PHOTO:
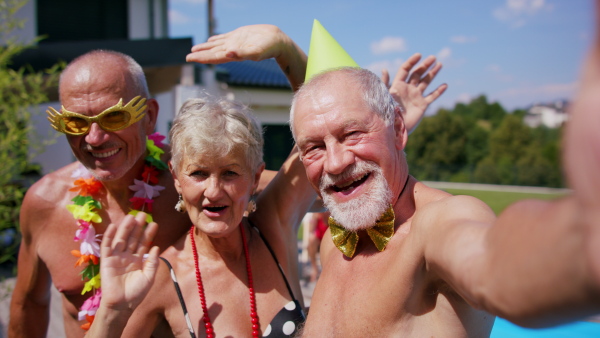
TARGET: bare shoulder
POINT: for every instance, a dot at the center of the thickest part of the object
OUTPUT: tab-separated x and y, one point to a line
45	199
52	187
435	206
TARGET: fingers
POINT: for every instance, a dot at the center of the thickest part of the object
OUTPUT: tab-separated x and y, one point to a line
385	77
436	93
107	239
151	264
426	80
415	77
406	67
147	237
125	236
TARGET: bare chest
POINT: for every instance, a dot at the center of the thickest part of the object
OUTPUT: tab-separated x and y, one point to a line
381	294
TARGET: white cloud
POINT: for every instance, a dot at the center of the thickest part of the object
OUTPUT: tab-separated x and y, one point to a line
515	12
493	68
391	65
388	44
444	54
463	39
178	18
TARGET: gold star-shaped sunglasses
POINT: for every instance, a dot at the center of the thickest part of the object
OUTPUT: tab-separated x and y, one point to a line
114	118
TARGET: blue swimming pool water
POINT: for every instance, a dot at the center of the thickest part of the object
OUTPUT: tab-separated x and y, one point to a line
505	329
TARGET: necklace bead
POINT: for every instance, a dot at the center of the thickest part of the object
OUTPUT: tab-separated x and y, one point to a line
206	318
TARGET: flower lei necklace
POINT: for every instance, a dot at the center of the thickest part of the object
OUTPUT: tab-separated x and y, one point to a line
84	210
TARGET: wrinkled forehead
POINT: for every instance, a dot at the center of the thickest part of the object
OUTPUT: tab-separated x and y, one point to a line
100	87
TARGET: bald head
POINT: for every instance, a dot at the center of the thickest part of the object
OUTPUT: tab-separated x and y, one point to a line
104	72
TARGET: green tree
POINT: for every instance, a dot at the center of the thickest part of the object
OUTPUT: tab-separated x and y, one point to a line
21	90
435	151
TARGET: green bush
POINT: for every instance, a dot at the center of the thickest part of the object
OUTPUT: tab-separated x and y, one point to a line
21	90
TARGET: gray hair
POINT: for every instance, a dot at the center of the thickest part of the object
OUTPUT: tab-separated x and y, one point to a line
215	126
137	76
374	92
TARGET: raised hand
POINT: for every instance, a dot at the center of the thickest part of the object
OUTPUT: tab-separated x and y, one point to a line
256	43
126	276
408	88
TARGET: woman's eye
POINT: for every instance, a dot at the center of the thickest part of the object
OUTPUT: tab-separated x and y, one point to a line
198	173
230	173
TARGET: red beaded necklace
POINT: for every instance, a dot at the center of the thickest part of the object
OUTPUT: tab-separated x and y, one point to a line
253	314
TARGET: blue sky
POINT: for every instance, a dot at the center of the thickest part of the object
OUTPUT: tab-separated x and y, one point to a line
516	52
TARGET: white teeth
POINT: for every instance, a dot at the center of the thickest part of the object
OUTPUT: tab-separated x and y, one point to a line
350	182
103	155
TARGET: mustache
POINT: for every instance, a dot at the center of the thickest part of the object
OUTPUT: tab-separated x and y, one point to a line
88	147
356	169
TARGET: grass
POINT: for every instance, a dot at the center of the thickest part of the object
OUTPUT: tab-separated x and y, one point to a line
499	200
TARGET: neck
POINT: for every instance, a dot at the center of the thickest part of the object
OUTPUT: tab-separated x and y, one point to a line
404	207
228	247
118	189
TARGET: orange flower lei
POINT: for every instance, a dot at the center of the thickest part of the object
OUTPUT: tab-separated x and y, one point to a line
85	210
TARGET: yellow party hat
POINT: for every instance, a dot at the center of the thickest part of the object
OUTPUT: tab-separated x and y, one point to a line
325	53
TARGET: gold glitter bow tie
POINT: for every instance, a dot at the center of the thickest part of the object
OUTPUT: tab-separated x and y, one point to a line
381	233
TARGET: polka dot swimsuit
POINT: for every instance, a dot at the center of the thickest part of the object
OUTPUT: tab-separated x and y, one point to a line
284	324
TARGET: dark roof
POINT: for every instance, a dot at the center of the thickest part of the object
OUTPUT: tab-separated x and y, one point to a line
148	53
263	74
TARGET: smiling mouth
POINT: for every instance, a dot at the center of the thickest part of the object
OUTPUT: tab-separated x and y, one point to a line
349	185
106	154
215	209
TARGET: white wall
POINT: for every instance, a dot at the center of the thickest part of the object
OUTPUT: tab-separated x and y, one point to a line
28	32
139	19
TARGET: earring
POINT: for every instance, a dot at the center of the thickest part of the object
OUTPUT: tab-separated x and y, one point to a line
251	204
180	206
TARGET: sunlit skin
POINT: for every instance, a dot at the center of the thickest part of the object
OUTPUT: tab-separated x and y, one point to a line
332	137
393	290
109	155
216	190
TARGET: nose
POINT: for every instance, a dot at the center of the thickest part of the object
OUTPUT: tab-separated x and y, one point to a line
213	188
96	135
338	158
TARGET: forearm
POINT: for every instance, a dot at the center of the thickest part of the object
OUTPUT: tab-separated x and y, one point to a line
292	61
27	318
539	274
529	267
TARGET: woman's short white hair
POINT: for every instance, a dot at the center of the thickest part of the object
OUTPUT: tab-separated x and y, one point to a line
215	127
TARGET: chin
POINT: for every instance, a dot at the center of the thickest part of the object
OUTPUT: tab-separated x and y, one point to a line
362	211
216	229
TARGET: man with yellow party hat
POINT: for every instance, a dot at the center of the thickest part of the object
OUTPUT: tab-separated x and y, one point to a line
402	259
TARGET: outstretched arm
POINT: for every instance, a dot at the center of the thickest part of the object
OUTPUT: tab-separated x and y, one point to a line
126	276
255	42
409	86
538	264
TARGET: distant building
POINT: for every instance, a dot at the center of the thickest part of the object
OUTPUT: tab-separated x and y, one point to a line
550	115
139	28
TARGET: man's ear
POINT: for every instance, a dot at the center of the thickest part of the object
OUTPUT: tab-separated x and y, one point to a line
400	129
152	114
177	184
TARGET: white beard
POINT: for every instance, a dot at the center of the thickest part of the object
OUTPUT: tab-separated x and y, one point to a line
361	212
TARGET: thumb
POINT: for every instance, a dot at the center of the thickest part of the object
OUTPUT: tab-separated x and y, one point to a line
151	264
